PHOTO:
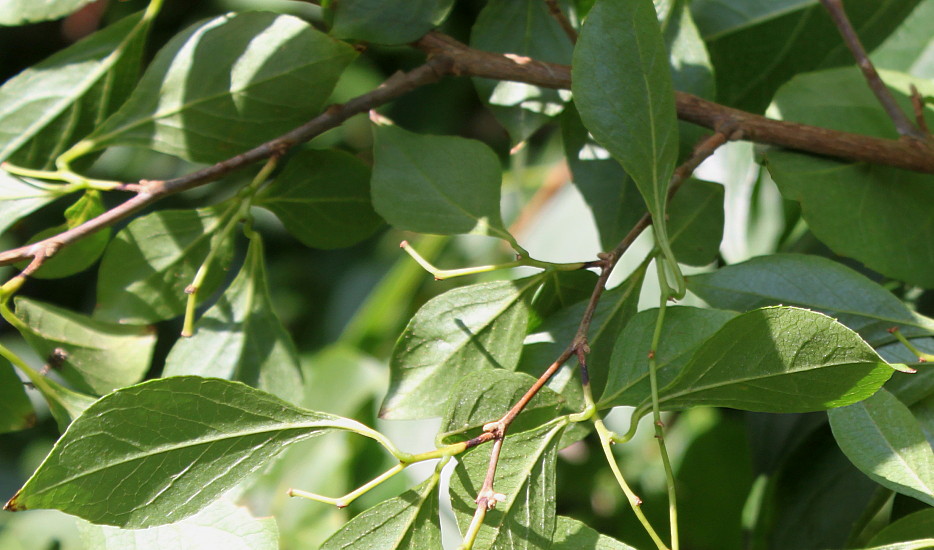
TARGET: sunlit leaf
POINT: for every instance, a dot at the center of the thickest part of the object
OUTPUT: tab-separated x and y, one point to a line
19	198
17	12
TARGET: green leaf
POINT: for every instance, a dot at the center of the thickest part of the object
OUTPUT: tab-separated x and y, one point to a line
161	451
406	522
571	534
47	108
386	21
815	283
524	28
695	222
918	525
149	264
64	404
691	70
226	85
461	332
436	184
908	48
795	36
561	289
82	254
920	544
95	356
323	199
525	475
241	337
622	88
486	396
18	12
220	525
778	359
685	330
881	437
16	412
19	198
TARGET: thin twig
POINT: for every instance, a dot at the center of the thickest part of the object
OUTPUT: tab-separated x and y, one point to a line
917	102
840	19
555	10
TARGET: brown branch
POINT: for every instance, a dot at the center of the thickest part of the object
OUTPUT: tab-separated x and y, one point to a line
913	155
852	41
555	10
151	191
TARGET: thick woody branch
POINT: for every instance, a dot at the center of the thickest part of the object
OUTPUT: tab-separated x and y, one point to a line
916	155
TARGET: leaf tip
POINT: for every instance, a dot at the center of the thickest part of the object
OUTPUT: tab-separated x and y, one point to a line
13	504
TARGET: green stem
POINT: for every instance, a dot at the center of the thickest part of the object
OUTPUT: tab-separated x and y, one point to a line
911	347
522	261
344	501
470	536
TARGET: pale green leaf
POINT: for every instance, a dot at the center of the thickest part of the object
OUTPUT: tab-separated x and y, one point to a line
323	199
18	12
406	522
386	21
910	48
241	338
881	437
461	332
525	476
149	264
571	534
161	451
920	544
19	198
436	184
226	85
95	356
16	412
778	359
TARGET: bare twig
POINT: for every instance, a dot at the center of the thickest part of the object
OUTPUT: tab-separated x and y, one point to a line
555	10
840	19
917	102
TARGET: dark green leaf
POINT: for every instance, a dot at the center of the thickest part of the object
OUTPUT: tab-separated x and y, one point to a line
323	199
95	356
795	36
226	85
695	222
16	412
18	198
149	263
17	12
525	28
436	184
571	534
163	450
561	289
525	476
241	337
691	70
461	332
386	21
918	525
406	522
815	283
685	329
486	396
779	359
881	437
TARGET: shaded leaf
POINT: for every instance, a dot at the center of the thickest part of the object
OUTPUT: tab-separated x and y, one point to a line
19	198
150	262
778	359
16	412
561	289
323	199
695	222
386	21
137	459
909	48
18	12
913	526
241	337
95	356
571	534
436	184
461	332
64	404
881	437
226	85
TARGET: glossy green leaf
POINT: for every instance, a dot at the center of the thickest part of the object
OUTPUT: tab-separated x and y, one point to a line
226	85
165	449
95	356
778	359
48	107
19	198
18	12
323	199
695	222
461	332
149	263
406	522
486	396
622	88
241	337
881	437
525	476
82	254
16	412
220	525
815	283
685	330
795	36
386	21
523	28
436	184
571	534
918	525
